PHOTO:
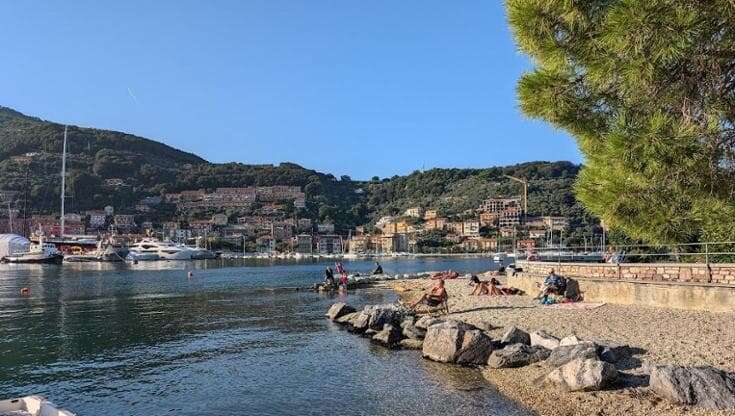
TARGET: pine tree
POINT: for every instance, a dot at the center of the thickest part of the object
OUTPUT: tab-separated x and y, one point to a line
647	88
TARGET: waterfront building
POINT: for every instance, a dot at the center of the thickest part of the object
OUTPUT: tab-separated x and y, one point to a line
359	244
304	244
480	244
97	219
329	244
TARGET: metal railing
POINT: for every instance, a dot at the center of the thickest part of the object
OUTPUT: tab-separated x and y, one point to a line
705	252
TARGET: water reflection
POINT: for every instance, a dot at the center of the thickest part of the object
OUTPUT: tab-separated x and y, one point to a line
117	341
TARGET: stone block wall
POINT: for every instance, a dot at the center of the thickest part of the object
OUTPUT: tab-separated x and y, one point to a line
719	274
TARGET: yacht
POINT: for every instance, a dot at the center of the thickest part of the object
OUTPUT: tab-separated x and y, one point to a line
201	253
105	252
40	252
32	406
153	249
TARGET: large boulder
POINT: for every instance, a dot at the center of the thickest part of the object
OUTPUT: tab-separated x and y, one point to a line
426	321
346	319
517	355
544	339
339	309
390	336
583	375
515	335
570	340
443	341
476	348
704	387
361	322
410	331
380	315
566	353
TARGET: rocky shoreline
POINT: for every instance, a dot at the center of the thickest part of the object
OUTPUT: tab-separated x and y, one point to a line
550	375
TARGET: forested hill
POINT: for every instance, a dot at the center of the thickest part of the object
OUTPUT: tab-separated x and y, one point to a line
30	162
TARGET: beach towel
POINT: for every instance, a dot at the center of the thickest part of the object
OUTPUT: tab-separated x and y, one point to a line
576	305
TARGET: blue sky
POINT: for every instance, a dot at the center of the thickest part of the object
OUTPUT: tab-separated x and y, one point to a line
343	86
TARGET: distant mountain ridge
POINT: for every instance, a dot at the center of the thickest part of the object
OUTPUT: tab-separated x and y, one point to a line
20	134
99	160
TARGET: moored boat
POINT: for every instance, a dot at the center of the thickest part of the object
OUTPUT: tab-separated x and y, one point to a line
41	252
31	406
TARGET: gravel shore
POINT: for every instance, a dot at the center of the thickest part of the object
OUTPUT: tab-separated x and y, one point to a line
659	335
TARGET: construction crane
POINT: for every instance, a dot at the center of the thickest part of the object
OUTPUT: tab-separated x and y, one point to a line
524	182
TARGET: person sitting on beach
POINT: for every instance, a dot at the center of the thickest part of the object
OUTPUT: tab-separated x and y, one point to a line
329	277
378	268
553	284
434	297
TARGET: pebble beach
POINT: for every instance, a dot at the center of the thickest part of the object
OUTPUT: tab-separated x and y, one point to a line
659	336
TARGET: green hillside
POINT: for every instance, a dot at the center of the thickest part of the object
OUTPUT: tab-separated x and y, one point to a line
150	168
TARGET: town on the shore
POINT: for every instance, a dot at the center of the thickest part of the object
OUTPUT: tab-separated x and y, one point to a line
272	219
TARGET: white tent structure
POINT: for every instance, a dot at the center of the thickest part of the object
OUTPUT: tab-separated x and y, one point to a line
12	244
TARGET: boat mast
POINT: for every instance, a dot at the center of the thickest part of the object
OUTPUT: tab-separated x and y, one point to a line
63	181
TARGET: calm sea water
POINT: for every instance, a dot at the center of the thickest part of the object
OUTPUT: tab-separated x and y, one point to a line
146	340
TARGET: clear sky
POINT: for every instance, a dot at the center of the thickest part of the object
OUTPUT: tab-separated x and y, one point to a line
352	87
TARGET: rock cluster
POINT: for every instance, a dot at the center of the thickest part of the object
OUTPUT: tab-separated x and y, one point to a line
574	364
387	325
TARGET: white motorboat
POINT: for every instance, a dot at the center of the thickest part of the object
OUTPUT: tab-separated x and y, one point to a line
500	257
40	252
31	406
153	249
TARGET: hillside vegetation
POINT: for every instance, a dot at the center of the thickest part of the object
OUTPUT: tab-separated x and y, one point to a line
151	168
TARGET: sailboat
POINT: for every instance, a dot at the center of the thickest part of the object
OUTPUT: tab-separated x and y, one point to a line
41	251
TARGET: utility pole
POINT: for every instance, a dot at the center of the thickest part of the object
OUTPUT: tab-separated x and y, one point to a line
524	182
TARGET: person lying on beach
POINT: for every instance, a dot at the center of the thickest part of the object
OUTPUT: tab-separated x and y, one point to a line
449	274
434	297
481	288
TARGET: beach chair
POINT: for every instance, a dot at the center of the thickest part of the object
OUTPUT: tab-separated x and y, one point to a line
440	309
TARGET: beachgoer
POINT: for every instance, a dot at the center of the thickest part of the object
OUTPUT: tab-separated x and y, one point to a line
480	286
340	268
434	297
449	274
343	281
329	277
378	268
552	284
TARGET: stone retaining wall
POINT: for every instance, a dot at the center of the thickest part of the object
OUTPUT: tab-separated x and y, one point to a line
722	274
675	285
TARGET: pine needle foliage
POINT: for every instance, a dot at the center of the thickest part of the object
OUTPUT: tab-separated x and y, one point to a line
647	88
